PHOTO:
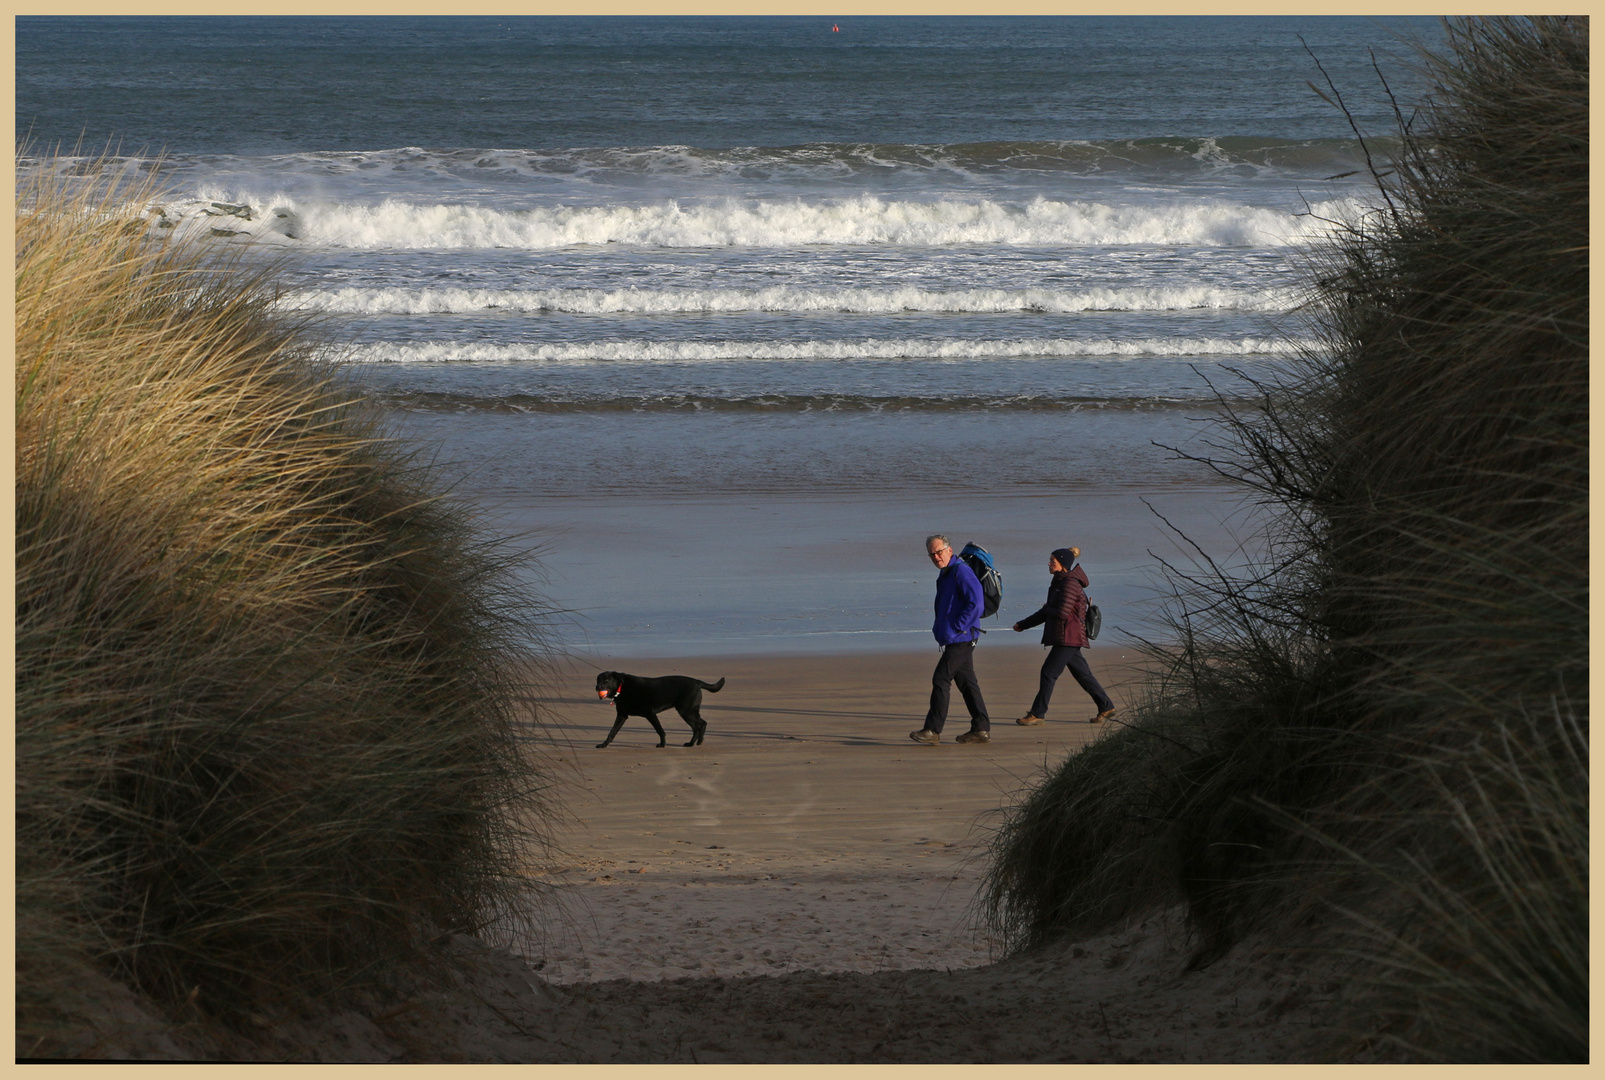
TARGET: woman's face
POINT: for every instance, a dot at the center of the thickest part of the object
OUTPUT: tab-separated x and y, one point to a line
1053	565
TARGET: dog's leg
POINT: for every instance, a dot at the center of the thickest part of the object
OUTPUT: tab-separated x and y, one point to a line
693	717
616	725
663	738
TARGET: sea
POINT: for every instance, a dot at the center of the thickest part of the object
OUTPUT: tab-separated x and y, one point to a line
721	317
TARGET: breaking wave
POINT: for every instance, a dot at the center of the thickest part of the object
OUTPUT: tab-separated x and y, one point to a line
869	349
753	223
632	301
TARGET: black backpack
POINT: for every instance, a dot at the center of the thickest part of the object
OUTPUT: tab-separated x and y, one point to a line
1092	618
978	559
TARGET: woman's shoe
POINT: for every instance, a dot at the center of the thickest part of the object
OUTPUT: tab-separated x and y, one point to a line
1101	717
1029	721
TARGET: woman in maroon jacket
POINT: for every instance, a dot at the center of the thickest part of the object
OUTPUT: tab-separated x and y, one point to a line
1065	636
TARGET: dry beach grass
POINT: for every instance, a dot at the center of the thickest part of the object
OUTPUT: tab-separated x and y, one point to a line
1381	729
264	698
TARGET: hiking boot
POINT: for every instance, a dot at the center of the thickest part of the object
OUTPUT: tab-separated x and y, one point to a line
1029	721
974	737
1101	717
925	735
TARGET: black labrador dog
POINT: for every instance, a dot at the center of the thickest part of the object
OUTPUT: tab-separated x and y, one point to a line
633	695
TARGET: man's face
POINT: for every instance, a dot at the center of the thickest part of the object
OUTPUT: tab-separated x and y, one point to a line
940	553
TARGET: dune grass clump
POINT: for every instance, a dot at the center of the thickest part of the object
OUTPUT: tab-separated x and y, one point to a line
1385	721
267	710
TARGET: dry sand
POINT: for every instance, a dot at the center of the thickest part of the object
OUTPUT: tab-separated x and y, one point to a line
807	832
802	888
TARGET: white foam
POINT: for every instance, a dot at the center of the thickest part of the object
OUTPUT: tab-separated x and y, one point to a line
868	349
866	220
392	301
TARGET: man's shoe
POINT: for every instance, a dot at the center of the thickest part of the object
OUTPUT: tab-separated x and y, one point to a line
974	737
1101	717
925	735
1029	721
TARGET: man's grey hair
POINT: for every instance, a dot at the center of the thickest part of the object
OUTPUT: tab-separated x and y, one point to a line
937	536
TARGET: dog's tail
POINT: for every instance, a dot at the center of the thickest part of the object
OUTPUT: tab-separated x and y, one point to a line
711	687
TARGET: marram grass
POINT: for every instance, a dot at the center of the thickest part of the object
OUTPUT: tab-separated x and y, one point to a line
1374	742
267	710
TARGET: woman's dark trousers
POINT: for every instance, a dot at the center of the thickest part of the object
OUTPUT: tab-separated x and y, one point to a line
956	666
1059	658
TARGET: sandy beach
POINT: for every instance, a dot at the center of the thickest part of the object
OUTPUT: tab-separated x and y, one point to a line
807	832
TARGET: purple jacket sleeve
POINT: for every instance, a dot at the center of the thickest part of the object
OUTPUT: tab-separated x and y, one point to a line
959	602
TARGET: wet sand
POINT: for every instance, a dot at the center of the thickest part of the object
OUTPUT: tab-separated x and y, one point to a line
839	573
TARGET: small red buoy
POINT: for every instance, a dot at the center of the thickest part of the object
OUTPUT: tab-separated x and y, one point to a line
834	29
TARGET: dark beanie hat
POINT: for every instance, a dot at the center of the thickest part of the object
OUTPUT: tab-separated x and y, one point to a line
1066	559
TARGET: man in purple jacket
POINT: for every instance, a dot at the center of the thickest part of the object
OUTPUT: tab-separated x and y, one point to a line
958	620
